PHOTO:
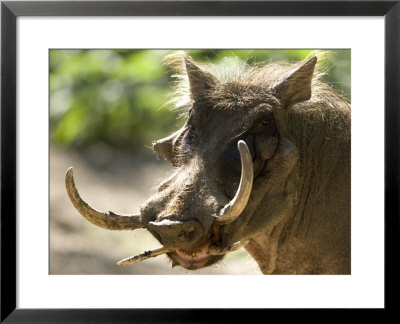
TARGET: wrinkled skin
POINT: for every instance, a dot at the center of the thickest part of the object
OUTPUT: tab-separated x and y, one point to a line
297	219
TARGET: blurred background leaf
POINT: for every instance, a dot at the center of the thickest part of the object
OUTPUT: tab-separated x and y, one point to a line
115	96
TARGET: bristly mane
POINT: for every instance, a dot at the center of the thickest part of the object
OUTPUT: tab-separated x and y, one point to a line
239	84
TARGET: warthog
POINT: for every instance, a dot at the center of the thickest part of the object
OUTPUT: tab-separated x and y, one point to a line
262	162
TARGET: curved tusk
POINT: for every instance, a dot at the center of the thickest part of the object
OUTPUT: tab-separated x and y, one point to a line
235	207
108	220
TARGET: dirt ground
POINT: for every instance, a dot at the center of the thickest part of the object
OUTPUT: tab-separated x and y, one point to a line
117	181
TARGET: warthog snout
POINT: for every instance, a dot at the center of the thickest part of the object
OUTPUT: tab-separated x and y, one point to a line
168	232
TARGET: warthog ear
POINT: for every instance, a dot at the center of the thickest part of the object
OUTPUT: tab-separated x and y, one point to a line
200	80
165	145
295	85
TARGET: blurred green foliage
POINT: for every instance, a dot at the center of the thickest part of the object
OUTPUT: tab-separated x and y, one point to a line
117	96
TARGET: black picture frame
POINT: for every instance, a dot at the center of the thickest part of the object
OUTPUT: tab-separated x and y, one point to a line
11	10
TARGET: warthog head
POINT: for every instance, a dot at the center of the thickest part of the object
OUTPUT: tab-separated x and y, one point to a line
232	162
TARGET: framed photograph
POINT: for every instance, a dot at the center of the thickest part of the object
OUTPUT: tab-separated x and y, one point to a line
219	131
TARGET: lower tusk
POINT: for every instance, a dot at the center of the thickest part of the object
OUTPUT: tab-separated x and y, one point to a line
216	250
145	255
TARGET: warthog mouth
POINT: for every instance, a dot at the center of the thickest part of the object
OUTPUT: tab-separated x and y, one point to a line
202	255
194	258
